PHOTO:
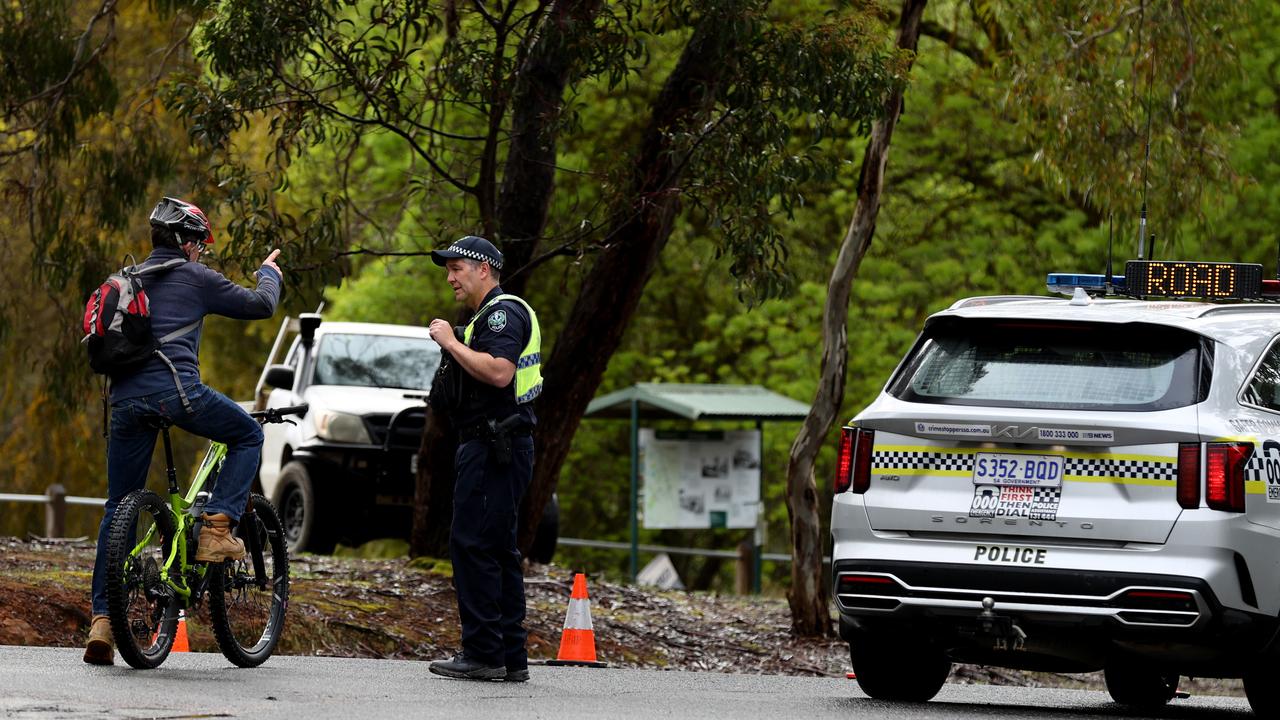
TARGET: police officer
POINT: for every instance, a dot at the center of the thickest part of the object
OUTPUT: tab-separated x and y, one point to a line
498	364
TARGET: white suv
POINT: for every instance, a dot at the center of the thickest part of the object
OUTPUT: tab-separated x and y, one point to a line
1072	485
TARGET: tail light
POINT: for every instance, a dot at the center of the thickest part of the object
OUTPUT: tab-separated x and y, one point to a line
853	463
868	584
1189	475
1224	474
1154	599
844	461
862	460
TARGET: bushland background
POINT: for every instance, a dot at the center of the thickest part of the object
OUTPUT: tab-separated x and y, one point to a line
722	141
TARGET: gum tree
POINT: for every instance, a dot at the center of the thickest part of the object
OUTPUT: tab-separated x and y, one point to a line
475	94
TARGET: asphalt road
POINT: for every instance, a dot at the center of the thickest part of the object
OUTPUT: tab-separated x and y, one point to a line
44	683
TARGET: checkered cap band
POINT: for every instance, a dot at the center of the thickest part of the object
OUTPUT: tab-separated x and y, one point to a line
495	263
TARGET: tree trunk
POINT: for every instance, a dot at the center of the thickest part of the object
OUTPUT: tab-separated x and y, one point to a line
611	291
809	603
433	489
528	180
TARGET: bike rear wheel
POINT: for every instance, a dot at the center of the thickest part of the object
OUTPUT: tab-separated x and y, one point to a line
248	615
141	606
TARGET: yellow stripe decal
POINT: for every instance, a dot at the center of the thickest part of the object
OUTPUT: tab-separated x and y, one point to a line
927	472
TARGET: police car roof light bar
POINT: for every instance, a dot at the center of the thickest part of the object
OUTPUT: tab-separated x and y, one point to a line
1178	279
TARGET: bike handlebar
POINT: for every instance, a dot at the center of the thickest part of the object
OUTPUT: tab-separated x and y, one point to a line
276	415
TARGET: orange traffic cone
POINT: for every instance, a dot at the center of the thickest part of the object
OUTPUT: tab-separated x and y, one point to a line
180	643
578	640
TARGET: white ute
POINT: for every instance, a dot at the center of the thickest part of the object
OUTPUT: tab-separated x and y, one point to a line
346	471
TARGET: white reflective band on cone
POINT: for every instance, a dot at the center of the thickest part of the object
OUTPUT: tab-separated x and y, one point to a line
579	615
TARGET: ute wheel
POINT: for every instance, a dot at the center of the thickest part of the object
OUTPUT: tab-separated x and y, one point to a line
301	513
1263	692
1139	687
897	668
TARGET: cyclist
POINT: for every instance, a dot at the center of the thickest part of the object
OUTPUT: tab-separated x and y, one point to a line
169	387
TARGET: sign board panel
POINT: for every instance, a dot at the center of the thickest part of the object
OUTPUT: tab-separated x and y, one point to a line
695	480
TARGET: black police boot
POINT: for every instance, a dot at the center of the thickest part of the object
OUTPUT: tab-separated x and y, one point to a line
464	668
520	675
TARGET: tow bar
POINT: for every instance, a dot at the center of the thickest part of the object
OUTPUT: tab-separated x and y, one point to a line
1005	633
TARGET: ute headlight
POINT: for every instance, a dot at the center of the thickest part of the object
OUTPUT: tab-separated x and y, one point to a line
341	427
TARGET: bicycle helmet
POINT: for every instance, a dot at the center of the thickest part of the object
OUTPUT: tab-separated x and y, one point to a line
186	221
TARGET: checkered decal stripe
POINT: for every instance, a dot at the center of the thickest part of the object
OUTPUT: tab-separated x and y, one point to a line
1046	495
1140	469
1074	467
901	460
1255	469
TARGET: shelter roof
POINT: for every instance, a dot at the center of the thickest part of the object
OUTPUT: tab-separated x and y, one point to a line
698	401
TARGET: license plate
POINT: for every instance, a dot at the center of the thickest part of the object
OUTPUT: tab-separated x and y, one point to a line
1017	470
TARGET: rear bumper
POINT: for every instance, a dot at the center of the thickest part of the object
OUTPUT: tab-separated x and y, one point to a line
1072	621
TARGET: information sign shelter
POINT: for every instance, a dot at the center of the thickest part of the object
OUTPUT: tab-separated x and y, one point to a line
697	402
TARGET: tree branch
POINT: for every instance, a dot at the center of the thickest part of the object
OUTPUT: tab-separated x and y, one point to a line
394	129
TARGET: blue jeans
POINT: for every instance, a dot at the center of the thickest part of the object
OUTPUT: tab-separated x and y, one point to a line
133	440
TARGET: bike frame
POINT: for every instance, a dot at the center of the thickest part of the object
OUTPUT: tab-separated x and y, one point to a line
180	506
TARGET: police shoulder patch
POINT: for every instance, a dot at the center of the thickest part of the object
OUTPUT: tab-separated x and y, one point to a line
497	320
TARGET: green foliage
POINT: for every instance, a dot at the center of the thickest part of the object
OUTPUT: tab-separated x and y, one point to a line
1092	85
796	86
358	135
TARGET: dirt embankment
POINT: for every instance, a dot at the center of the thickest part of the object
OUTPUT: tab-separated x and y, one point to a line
406	609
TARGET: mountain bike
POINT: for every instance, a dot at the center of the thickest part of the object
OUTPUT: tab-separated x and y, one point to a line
152	574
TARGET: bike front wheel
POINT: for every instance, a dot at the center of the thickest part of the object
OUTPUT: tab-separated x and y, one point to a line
248	598
141	606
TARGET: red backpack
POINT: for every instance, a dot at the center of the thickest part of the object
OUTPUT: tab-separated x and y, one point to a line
117	322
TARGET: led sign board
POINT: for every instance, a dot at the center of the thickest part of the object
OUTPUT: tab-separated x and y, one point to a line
1191	279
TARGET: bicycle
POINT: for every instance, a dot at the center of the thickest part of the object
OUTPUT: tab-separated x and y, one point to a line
152	579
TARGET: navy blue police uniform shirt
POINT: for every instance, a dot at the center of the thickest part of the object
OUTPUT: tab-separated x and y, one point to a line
501	331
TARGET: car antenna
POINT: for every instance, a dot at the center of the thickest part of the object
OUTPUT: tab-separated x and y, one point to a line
1146	159
1111	231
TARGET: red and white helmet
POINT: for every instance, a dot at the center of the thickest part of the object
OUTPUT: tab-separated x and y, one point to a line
184	219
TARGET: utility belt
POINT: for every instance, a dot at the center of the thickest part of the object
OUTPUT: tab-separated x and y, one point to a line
497	434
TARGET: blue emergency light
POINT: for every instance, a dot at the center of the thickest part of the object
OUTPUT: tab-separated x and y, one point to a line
1066	283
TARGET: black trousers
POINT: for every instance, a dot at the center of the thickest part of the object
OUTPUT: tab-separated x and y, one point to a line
487	572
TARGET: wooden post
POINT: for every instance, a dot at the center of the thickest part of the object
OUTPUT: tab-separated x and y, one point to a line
55	511
743	567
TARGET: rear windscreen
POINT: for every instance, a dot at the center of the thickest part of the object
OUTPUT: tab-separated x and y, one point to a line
1131	367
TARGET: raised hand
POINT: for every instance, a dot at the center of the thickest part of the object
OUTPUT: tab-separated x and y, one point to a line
271	262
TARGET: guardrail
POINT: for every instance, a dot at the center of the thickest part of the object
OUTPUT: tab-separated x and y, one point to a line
55	500
704	552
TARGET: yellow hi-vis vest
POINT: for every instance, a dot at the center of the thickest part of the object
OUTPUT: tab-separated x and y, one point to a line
529	367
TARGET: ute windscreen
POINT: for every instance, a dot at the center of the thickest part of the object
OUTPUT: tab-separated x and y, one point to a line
1130	367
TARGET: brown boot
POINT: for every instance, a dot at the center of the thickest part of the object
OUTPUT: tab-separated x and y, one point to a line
101	649
216	541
